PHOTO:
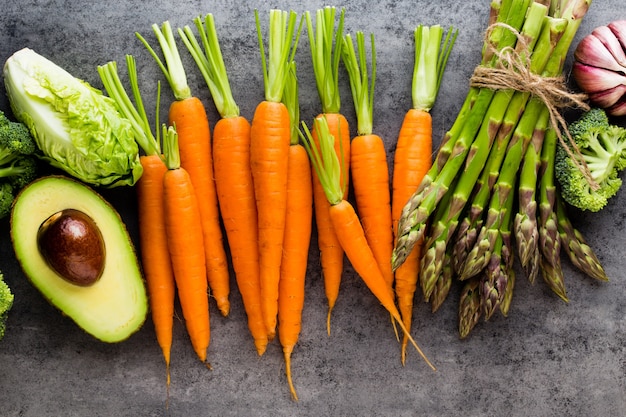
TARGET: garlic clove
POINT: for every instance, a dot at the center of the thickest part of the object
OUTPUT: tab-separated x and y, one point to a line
607	98
593	79
605	35
618	28
592	51
618	109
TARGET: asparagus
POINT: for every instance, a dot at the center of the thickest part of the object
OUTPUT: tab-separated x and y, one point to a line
444	282
525	222
469	307
495	276
526	121
435	184
579	252
479	151
549	238
505	304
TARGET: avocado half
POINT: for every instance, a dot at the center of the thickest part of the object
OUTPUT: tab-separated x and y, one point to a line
116	305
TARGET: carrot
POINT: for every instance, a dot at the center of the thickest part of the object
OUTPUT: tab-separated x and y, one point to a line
233	177
326	69
347	225
297	237
188	114
155	258
185	243
368	159
413	155
269	147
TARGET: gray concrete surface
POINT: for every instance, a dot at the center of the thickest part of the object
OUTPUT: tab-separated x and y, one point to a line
548	358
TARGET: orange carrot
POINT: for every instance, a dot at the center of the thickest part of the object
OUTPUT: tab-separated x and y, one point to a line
269	147
347	225
185	242
155	258
368	159
413	155
188	114
326	68
297	237
233	178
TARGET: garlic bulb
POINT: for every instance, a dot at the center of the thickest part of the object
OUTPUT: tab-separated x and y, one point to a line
600	67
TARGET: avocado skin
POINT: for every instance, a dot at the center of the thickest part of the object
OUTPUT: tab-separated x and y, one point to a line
113	308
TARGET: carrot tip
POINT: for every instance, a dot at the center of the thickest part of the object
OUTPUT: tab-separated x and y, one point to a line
261	346
224	307
292	389
330	309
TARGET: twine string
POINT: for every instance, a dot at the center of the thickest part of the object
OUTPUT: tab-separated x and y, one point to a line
512	71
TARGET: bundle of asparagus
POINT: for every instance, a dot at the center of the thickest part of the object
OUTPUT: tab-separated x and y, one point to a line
494	169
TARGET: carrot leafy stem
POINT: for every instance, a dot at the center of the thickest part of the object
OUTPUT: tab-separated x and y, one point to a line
135	113
362	88
325	57
170	146
172	68
431	57
208	57
291	101
324	160
282	49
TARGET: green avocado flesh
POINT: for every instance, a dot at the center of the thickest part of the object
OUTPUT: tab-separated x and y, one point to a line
116	305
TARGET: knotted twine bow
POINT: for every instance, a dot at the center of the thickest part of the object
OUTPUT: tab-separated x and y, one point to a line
512	71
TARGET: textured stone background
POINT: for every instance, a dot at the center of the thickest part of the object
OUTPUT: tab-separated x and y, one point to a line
548	358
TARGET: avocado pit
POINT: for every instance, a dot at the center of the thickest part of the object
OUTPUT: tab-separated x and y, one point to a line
72	245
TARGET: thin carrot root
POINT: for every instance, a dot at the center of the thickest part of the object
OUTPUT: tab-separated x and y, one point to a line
413	342
330	309
292	389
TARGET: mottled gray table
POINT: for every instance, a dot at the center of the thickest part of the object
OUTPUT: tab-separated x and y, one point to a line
547	358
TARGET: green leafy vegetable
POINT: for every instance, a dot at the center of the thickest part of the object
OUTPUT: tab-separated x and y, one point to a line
78	129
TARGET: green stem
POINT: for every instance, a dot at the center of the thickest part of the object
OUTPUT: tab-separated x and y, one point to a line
282	48
135	113
361	86
325	57
208	57
173	68
431	57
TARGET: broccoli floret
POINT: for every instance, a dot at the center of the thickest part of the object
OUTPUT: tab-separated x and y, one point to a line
6	302
18	165
603	149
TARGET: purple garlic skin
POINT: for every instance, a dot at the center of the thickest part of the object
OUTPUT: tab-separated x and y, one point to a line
600	67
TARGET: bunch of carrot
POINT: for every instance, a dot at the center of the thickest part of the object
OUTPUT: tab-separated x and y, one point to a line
256	179
167	203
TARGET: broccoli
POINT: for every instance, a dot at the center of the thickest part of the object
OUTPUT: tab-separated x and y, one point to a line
6	302
603	149
18	165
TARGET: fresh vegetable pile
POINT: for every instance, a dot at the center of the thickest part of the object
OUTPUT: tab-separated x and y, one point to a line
497	190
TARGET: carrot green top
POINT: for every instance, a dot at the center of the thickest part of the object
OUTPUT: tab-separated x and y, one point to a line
170	147
324	160
430	62
209	59
136	114
326	59
282	49
291	101
362	90
172	68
